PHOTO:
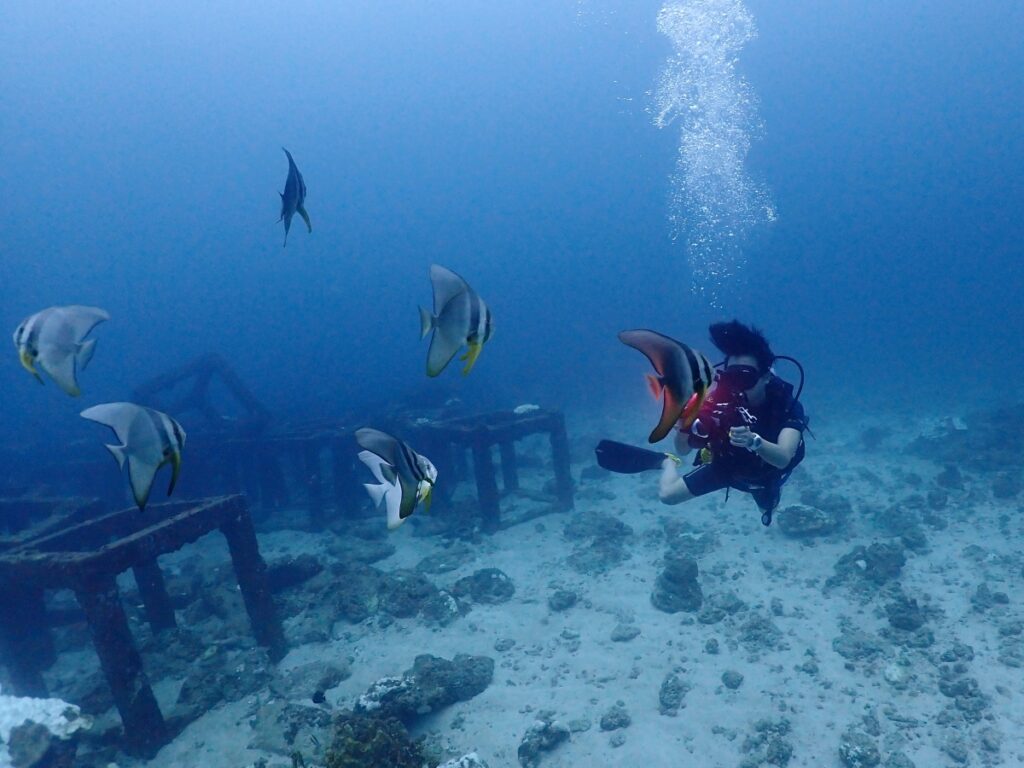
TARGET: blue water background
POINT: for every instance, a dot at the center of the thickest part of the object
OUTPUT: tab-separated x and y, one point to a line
514	143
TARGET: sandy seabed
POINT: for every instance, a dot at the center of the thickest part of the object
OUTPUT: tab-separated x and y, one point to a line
566	662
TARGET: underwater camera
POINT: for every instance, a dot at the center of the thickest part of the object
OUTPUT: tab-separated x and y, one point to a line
726	407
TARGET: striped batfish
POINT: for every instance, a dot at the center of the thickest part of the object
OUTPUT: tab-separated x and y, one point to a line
55	340
460	317
149	439
683	378
293	199
404	477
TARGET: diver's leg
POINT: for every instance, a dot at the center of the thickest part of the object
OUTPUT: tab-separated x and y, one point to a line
671	486
704	479
767	499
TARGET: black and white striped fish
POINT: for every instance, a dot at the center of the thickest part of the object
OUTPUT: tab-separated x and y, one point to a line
293	199
55	340
405	478
149	439
683	378
460	317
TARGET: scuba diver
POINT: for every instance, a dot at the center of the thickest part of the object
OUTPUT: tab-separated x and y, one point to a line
748	433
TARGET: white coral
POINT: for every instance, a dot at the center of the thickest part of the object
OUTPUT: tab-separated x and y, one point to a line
370	700
60	718
472	760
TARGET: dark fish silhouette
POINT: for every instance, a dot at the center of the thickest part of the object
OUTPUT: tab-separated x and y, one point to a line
293	199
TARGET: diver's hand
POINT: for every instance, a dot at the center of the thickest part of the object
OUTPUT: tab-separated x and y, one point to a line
743	437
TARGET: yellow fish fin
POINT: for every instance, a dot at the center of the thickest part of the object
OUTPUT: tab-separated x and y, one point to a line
472	353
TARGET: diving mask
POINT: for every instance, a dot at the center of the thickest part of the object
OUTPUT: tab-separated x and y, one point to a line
739	378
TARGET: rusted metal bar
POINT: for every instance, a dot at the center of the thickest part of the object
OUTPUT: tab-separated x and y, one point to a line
339	457
155	600
144	727
26	644
486	487
312	471
561	460
459	463
509	466
201	372
273	488
249	475
251	571
86	557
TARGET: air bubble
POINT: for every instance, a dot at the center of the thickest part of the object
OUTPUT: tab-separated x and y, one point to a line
714	203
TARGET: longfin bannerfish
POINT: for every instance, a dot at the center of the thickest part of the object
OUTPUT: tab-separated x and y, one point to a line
405	477
149	439
293	199
460	317
54	339
683	378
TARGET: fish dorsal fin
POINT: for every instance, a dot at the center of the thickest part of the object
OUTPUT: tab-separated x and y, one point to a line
378	443
665	353
118	416
447	285
81	319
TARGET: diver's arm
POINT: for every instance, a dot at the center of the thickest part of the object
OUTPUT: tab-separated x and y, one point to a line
671	486
779	454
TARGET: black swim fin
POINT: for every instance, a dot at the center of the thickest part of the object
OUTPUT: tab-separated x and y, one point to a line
627	459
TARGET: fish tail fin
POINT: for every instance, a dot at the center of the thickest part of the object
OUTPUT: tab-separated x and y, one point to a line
85	352
655	385
305	217
118	452
427	322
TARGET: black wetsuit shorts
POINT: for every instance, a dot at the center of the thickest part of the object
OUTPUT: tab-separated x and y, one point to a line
711	477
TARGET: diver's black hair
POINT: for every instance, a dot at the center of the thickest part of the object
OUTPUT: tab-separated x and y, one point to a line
734	338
